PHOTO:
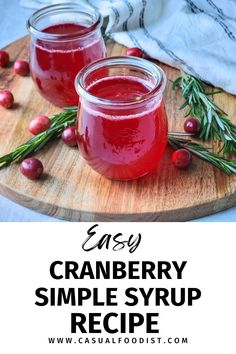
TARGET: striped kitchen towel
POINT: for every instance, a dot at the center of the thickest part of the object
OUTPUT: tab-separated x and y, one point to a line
198	36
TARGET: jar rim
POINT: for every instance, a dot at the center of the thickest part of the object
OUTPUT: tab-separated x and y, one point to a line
121	61
83	8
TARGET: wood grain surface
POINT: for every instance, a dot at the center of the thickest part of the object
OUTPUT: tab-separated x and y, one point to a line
71	190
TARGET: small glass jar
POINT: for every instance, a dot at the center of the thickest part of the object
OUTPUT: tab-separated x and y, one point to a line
64	38
122	127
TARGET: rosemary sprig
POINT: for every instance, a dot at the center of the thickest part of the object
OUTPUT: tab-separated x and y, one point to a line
215	123
227	166
58	123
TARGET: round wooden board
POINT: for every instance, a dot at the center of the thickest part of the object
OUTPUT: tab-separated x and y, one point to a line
71	190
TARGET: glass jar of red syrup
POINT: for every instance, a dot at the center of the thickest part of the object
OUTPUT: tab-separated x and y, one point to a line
122	124
64	38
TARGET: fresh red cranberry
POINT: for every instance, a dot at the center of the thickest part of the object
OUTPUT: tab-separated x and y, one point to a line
21	67
69	136
181	158
6	99
31	168
192	125
4	58
135	52
39	124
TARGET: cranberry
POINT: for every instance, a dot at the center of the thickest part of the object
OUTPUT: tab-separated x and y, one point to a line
6	99
39	124
181	158
4	58
135	52
192	125
69	136
21	67
31	168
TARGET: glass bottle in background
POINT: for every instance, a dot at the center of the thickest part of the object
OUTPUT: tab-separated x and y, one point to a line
64	38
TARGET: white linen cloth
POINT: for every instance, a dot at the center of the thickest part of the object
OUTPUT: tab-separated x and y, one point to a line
198	36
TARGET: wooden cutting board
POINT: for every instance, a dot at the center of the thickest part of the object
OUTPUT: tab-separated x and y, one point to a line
71	190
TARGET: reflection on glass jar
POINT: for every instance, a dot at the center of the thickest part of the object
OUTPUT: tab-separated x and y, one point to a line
64	38
122	124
